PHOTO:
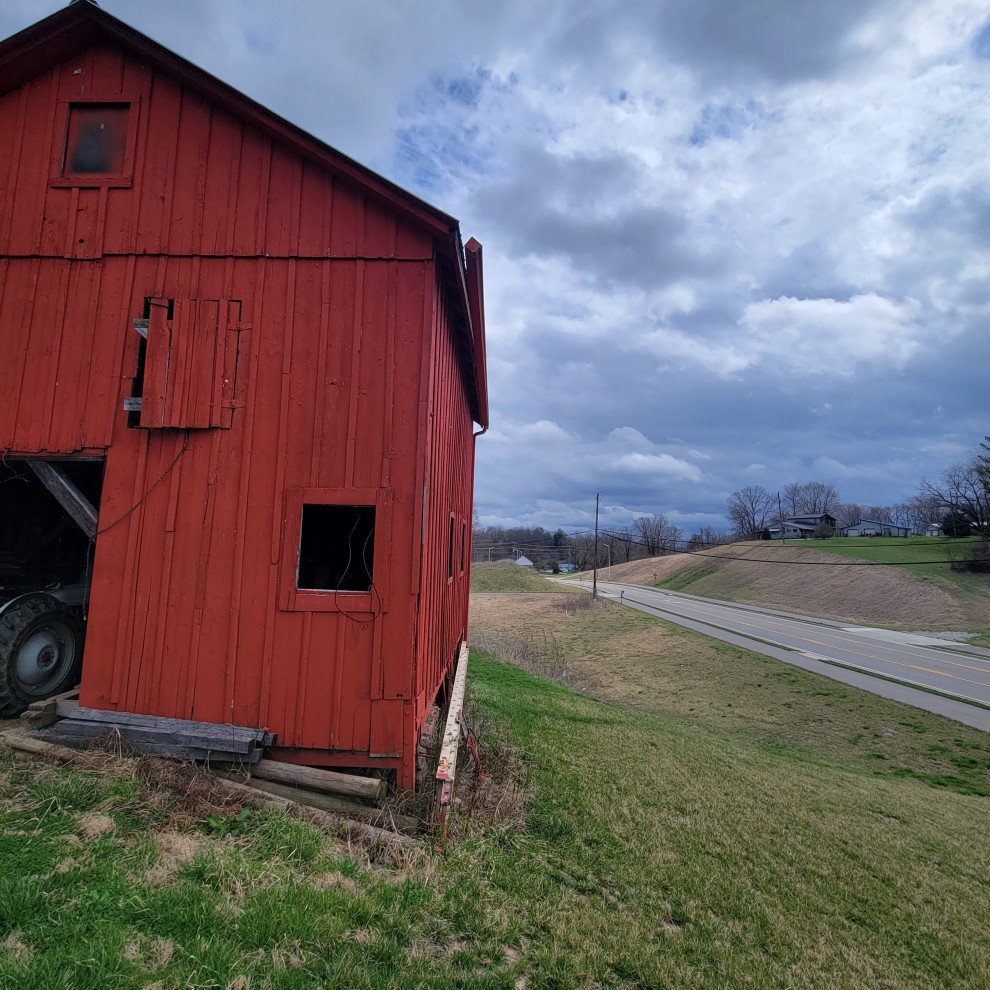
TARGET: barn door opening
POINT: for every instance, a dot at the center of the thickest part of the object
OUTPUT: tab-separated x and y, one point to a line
48	526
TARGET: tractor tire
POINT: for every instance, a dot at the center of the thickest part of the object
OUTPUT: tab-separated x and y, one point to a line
41	643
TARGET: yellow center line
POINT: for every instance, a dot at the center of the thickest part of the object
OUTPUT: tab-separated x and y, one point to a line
912	666
773	627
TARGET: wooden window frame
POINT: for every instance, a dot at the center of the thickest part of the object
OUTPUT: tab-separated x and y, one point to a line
450	549
117	180
293	599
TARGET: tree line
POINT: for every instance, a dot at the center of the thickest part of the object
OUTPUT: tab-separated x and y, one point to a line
647	536
958	501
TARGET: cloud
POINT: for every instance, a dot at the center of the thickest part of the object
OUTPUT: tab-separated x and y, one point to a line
724	241
828	336
780	40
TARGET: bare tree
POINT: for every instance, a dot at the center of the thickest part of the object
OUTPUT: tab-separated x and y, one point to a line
707	536
584	552
878	513
817	497
848	513
657	534
624	544
922	510
961	490
750	510
792	498
982	463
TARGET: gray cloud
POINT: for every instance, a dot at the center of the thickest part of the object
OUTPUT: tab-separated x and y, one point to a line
780	40
726	242
571	206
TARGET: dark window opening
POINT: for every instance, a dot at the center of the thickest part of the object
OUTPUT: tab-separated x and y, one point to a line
41	547
463	543
96	139
336	548
137	382
450	550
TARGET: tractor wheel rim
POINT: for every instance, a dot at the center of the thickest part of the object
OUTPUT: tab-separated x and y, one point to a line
43	656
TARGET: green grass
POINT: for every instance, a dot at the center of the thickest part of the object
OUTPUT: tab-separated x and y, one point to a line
906	550
687	575
676	856
648	665
703	839
509	578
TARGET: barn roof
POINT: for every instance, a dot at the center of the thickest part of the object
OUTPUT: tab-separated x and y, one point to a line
81	24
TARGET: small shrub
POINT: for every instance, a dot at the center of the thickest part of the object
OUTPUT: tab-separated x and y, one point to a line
976	562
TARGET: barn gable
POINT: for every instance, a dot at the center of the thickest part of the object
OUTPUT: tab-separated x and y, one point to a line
248	203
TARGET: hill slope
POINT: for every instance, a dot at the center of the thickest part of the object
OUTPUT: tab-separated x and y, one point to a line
505	576
771	575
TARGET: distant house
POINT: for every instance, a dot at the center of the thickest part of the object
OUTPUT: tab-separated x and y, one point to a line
933	529
523	562
800	527
567	568
874	527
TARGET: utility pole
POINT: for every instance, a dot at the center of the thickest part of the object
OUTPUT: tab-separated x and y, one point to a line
594	579
780	516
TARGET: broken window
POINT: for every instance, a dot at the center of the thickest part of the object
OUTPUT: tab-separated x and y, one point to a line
96	139
336	548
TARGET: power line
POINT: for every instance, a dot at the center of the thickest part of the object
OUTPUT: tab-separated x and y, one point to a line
802	563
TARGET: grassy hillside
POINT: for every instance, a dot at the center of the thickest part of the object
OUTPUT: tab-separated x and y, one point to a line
644	664
922	555
509	578
812	577
657	848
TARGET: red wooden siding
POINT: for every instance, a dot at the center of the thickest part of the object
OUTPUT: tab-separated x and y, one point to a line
300	349
448	500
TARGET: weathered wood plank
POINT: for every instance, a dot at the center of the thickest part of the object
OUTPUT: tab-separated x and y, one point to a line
376	817
325	781
329	802
67	495
447	767
234	737
162	742
60	736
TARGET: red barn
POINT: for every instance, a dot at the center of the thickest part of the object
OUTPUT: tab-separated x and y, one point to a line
250	368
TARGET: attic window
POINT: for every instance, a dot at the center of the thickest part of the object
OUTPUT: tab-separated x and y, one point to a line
96	139
336	548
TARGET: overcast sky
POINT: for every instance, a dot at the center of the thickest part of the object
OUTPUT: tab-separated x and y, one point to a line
727	242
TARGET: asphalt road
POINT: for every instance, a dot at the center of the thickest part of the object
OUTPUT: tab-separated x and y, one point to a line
936	675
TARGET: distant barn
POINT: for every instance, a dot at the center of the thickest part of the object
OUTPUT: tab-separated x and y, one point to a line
261	365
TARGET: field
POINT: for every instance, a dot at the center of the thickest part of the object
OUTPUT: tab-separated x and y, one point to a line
507	577
695	815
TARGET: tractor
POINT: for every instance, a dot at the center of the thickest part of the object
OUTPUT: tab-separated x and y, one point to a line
48	526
